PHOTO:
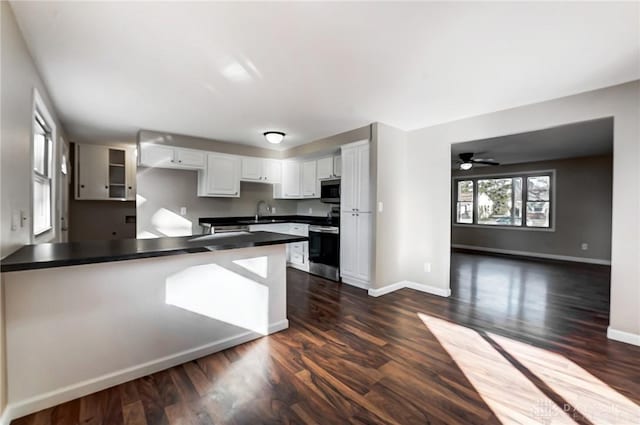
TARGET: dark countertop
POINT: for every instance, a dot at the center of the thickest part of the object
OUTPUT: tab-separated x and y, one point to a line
270	219
48	255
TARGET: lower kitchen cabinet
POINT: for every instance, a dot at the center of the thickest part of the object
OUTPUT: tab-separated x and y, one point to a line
355	248
297	252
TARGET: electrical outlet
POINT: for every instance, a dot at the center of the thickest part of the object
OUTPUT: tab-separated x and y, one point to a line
427	267
380	207
584	246
273	210
183	211
310	210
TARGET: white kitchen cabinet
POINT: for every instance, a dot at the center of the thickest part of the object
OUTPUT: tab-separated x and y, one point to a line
162	156
297	252
337	166
290	186
329	168
325	168
356	248
251	169
260	170
272	170
189	158
355	219
355	187
310	185
104	172
221	177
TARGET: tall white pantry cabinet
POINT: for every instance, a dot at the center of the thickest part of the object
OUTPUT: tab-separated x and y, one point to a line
356	215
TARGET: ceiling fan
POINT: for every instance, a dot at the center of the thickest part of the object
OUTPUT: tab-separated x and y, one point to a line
467	160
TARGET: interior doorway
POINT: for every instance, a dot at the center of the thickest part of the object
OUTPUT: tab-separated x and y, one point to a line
531	226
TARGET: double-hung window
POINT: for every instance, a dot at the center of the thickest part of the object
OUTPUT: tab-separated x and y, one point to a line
42	175
518	200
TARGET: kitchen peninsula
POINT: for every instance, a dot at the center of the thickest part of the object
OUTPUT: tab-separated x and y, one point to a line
84	316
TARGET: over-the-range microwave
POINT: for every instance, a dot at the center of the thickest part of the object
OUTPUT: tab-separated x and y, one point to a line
330	191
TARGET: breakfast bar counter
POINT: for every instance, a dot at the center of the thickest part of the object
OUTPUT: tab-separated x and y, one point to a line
82	317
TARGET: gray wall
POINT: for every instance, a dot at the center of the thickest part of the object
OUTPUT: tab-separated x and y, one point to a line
162	192
582	211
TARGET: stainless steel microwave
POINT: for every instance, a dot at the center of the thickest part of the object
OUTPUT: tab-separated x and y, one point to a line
330	191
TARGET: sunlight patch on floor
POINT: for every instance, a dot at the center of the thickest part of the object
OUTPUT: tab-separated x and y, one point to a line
218	293
485	361
518	400
587	394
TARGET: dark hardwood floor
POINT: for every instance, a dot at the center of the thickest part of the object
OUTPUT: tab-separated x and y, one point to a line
517	342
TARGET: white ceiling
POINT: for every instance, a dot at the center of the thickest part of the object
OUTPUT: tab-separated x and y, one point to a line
230	71
589	138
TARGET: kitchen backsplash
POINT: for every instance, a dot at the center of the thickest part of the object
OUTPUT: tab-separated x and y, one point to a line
163	192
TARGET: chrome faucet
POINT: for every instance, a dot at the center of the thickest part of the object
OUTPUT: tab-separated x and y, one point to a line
260	203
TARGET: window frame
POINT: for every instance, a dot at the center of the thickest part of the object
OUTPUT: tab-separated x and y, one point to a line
42	114
520	174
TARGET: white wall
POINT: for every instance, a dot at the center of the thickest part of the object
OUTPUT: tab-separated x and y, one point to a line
390	189
428	198
19	77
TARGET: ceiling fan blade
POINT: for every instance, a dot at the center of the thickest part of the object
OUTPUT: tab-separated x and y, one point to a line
486	162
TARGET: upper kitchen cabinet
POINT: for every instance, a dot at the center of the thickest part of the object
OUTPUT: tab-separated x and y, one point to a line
355	187
260	170
162	156
290	186
104	172
337	166
221	177
309	180
329	168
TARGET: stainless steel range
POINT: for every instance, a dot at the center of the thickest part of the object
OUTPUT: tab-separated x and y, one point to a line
324	248
324	251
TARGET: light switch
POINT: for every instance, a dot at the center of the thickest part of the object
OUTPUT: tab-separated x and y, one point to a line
183	210
380	206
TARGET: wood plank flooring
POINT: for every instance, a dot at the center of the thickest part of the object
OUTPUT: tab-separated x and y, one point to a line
517	342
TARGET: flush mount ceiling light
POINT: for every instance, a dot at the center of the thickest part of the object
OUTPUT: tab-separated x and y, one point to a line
274	137
466	166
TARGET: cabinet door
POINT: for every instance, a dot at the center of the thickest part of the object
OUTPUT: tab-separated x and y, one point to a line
291	179
363	187
363	246
252	169
325	168
131	170
348	235
223	175
309	180
189	158
272	170
92	166
156	155
337	166
348	186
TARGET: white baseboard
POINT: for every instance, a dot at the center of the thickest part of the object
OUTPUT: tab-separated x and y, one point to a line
5	419
622	336
442	292
355	282
535	254
43	401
